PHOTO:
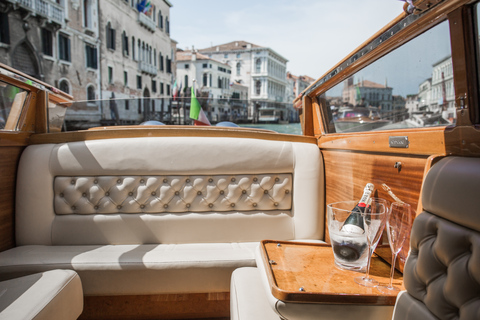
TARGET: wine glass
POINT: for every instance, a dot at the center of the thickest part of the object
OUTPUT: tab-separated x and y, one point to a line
374	221
399	222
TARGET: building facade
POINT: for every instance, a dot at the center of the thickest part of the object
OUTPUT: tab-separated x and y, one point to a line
137	57
262	70
366	93
222	99
58	43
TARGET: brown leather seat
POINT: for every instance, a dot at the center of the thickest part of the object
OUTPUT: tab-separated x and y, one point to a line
442	272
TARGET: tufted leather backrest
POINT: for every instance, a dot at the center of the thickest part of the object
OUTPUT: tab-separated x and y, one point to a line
169	190
442	272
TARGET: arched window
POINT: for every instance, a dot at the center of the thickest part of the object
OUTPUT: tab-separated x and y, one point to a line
155	57
258	65
110	36
91	92
167	25
186	81
205	80
64	86
239	66
258	87
210	80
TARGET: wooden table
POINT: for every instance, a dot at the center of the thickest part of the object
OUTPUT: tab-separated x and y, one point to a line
293	265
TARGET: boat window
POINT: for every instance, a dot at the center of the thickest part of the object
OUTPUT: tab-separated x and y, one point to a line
410	87
12	100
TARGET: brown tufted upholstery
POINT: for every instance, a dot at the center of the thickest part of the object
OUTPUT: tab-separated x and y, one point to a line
442	272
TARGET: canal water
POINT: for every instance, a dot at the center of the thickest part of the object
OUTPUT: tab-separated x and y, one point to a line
290	128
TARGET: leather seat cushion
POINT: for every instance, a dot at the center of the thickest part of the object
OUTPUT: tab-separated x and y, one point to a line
55	294
136	269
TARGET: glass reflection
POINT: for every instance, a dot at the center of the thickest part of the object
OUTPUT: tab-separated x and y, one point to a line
410	87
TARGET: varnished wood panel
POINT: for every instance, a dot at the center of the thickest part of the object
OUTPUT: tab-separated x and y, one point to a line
8	168
166	131
291	266
165	306
426	141
347	173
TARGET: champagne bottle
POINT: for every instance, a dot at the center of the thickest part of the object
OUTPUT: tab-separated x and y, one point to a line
354	222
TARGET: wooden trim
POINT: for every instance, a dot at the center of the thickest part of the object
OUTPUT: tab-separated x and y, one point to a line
14	138
9	159
462	141
166	131
426	141
308	122
161	306
41	111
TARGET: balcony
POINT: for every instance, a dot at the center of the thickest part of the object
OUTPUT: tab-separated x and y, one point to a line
147	68
43	8
145	21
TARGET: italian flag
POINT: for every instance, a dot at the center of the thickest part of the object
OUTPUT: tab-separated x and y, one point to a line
196	112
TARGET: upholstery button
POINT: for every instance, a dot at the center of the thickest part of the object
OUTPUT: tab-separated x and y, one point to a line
165	206
74	208
142	181
287	191
165	180
199	193
119	181
210	205
130	194
210	180
95	181
265	191
244	191
277	179
255	179
119	207
142	206
107	194
222	192
154	193
232	205
95	207
188	205
72	182
61	195
187	181
233	179
177	193
84	195
254	204
276	204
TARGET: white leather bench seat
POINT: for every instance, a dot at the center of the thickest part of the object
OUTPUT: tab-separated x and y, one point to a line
160	215
137	269
51	295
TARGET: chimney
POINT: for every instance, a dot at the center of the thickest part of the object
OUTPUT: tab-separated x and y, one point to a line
194	56
218	48
249	46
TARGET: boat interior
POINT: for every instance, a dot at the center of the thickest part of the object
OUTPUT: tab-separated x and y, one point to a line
186	222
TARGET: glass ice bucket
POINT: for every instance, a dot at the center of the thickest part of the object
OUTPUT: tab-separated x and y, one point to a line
350	250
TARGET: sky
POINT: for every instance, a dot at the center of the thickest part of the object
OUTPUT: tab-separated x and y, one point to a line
313	35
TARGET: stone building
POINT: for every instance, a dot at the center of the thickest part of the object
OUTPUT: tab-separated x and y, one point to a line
295	86
222	99
58	43
137	57
367	93
262	70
